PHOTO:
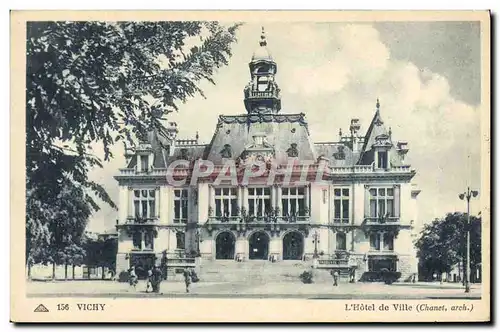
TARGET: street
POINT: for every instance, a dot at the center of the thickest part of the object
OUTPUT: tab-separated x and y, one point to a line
99	288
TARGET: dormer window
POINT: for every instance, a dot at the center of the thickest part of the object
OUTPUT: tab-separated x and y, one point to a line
382	161
144	163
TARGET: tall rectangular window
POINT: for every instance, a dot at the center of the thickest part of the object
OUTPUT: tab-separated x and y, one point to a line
137	240
375	241
381	241
382	161
144	163
149	240
144	203
340	239
181	240
341	205
259	201
388	242
293	201
381	202
181	206
226	202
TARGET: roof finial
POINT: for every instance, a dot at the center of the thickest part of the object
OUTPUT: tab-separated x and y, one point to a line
390	131
340	133
378	105
197	137
263	41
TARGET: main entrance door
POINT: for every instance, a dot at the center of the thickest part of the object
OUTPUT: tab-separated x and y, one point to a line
224	246
293	246
258	245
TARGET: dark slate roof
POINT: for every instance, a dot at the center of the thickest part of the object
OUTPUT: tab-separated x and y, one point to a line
187	152
280	130
331	151
377	128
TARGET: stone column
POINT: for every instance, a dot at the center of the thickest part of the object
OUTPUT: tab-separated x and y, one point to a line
278	199
306	198
157	203
245	197
211	198
240	197
273	197
130	210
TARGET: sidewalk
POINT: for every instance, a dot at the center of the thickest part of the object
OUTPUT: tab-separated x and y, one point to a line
223	289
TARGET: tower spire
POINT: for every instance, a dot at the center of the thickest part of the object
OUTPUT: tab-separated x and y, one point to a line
262	94
378	105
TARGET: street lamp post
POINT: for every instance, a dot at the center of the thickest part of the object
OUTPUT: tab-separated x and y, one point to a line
467	196
316	241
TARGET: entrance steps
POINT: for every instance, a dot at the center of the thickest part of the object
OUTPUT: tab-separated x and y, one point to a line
252	271
261	271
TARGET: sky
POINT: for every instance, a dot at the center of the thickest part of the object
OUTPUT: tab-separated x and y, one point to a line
426	75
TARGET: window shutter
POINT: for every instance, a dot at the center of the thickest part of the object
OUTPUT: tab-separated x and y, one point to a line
397	200
367	201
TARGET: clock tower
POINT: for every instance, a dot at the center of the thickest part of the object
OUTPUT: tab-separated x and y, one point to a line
262	94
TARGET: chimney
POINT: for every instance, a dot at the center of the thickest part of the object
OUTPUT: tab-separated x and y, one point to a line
354	128
402	148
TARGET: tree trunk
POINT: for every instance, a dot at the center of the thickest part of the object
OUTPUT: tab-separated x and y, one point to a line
73	271
102	277
53	270
65	271
29	271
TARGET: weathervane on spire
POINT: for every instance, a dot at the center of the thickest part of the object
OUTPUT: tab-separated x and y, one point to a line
263	41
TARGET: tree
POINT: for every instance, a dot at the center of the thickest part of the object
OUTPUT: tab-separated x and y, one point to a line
65	221
101	253
91	83
442	244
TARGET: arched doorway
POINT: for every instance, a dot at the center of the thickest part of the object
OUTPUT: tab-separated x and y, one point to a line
258	245
293	246
224	246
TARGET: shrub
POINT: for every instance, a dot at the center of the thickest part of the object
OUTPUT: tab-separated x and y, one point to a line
388	277
385	276
123	276
306	277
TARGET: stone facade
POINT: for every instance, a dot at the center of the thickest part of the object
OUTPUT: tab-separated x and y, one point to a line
350	204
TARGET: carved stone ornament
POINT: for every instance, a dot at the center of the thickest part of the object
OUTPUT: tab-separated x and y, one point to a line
340	154
293	151
226	151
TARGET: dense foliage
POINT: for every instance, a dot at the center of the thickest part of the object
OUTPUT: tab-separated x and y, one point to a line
442	243
94	84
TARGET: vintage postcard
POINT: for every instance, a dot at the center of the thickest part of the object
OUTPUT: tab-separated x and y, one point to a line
242	166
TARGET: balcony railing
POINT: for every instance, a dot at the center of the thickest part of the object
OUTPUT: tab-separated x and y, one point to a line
135	171
180	221
334	262
376	221
341	221
369	168
261	94
141	221
259	219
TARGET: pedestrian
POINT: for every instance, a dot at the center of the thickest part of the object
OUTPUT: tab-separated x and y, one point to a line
194	276
156	279
187	278
335	275
149	283
132	277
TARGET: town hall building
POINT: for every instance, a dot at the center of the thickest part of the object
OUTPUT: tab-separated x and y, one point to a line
360	211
